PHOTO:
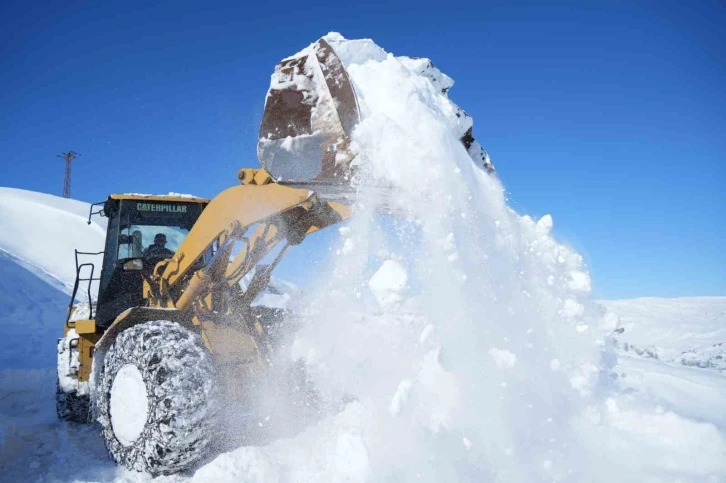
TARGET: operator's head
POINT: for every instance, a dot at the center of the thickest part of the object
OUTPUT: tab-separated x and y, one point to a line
160	239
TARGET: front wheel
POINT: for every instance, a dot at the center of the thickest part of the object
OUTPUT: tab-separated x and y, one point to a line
157	398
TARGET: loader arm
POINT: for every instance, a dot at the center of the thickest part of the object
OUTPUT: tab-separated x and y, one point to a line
243	224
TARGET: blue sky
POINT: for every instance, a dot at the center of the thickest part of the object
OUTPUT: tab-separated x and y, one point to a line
610	117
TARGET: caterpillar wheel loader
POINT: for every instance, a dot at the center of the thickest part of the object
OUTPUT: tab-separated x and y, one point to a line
172	337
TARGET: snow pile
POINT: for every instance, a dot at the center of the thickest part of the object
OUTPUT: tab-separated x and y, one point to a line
493	364
485	369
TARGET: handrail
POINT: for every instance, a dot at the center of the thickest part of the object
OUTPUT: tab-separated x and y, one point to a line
90	281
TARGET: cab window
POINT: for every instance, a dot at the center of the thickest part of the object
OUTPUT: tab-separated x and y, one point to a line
137	238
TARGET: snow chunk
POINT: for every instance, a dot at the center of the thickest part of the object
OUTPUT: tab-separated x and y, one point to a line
503	358
81	311
427	69
400	397
579	282
358	51
544	224
348	247
437	393
67	362
425	334
388	284
572	308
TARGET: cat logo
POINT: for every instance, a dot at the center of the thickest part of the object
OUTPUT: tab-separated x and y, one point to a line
161	208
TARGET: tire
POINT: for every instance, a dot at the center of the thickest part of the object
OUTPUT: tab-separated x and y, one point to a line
157	398
72	402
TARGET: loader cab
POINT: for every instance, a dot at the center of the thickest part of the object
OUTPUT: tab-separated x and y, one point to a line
133	223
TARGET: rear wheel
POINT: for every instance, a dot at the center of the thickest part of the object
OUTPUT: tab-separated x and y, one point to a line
157	398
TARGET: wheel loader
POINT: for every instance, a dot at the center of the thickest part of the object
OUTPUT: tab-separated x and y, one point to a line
172	335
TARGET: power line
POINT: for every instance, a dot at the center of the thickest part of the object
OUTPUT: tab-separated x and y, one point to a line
69	156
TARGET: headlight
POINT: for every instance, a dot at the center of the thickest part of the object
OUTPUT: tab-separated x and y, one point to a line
135	264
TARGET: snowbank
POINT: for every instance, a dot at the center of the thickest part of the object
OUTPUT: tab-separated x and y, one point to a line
32	313
42	231
38	235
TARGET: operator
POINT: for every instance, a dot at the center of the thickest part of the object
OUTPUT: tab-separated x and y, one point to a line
158	247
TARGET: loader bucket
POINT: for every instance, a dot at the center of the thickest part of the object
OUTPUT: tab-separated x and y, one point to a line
310	111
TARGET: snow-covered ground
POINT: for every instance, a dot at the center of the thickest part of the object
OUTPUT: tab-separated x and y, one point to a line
458	342
696	338
664	420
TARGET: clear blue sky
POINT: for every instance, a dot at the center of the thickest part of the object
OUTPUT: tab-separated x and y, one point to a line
611	117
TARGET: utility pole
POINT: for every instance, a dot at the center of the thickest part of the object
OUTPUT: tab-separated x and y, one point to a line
69	156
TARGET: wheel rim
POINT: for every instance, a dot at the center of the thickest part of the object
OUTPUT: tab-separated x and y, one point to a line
129	405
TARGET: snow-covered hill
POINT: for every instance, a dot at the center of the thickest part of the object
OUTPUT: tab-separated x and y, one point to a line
38	236
42	231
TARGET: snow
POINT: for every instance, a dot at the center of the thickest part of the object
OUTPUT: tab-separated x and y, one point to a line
67	366
332	450
129	404
388	284
32	312
498	337
279	294
81	311
698	324
171	193
479	285
38	236
503	359
46	245
490	363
